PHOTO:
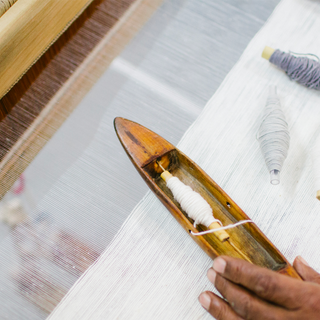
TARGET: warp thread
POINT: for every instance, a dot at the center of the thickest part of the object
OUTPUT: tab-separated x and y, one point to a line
304	70
274	136
196	207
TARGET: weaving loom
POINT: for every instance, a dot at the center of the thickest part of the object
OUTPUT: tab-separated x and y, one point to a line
165	263
80	189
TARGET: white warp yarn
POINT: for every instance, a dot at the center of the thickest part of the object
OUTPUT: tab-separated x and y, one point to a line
153	269
191	202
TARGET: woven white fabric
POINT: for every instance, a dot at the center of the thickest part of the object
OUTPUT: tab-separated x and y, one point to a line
153	269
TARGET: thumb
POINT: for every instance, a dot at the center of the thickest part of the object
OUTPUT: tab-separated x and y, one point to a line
305	271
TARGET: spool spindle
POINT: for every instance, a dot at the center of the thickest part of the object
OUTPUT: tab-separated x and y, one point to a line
267	52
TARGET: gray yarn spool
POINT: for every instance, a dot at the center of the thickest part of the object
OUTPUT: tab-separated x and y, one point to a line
301	69
273	136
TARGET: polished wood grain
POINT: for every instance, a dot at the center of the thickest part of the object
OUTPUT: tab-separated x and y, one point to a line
141	144
137	139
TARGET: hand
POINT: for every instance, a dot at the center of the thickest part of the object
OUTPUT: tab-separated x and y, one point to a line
257	293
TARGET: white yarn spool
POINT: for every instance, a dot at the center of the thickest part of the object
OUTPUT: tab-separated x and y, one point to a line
196	207
274	136
191	202
316	165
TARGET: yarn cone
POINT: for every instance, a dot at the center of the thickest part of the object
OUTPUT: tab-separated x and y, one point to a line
303	70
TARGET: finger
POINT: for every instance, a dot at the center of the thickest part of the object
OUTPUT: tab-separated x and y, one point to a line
245	304
266	284
305	271
217	307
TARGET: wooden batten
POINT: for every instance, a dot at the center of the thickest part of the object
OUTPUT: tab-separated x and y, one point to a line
50	90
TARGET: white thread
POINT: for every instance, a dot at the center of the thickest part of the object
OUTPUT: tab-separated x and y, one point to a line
196	207
274	136
230	226
305	54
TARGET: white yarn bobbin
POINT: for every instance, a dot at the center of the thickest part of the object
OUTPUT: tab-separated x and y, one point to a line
197	208
273	136
191	202
316	166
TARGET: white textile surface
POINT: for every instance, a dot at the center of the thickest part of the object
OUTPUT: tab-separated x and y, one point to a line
153	269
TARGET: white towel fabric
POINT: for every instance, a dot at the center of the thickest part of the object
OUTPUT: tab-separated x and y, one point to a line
153	269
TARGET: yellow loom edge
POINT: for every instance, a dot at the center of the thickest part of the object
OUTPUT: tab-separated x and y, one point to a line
26	31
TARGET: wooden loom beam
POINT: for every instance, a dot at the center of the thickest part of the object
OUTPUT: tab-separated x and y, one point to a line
50	90
27	29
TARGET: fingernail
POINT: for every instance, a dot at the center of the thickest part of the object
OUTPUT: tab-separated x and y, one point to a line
303	261
219	265
205	300
211	274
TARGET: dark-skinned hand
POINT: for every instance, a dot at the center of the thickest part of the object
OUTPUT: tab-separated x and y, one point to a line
257	293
